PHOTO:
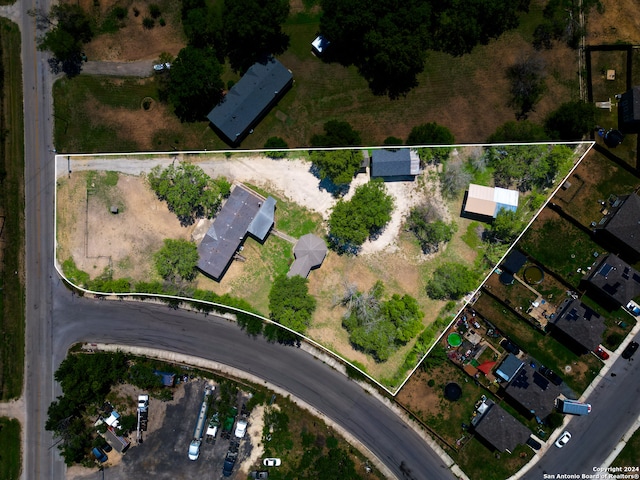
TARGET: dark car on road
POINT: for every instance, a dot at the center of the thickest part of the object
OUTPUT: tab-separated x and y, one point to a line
551	375
628	352
510	347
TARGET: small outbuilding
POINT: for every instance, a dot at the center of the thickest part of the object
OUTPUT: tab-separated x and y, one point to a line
395	164
319	45
309	252
484	201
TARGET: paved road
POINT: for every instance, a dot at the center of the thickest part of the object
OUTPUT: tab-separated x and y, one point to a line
616	403
292	369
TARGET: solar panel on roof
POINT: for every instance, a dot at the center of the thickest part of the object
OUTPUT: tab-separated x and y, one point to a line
606	268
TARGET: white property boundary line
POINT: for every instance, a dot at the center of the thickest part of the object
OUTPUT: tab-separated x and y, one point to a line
312	342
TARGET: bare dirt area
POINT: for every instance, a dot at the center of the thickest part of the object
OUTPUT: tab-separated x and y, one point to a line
618	22
133	41
97	239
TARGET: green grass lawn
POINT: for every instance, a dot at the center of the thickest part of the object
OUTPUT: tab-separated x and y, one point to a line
543	348
560	246
595	179
10	448
12	321
630	454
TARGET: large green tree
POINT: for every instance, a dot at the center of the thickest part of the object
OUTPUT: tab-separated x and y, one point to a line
337	133
571	121
71	29
176	260
290	303
527	84
367	213
195	86
451	281
188	191
387	40
506	226
253	30
429	229
431	134
339	166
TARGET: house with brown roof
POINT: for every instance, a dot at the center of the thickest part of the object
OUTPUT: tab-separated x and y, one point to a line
578	326
499	429
613	282
620	227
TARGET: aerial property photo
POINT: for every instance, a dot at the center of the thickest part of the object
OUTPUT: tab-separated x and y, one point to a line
320	239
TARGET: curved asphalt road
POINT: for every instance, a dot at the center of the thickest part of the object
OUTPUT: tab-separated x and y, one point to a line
292	369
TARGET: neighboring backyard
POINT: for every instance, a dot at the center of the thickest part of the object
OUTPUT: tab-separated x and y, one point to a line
467	94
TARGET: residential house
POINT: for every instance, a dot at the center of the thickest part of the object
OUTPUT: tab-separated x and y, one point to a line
531	392
509	367
578	326
395	164
613	282
243	213
499	429
249	100
629	111
620	227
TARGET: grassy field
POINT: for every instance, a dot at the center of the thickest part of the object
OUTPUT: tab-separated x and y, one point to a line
467	94
11	215
575	251
10	448
545	349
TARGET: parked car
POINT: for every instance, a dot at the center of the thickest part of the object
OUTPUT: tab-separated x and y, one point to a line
259	474
99	454
601	353
550	374
272	462
106	447
534	443
563	440
628	352
510	347
161	67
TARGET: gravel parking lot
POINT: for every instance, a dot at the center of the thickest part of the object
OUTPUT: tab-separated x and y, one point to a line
163	453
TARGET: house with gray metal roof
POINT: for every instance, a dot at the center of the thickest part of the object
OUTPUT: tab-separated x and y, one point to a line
243	213
395	164
250	100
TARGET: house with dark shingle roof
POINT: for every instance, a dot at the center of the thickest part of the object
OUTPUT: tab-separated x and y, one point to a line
629	111
243	213
620	227
613	282
532	393
395	164
249	100
499	429
578	326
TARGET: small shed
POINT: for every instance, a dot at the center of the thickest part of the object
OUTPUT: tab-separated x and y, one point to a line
489	201
309	251
319	45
